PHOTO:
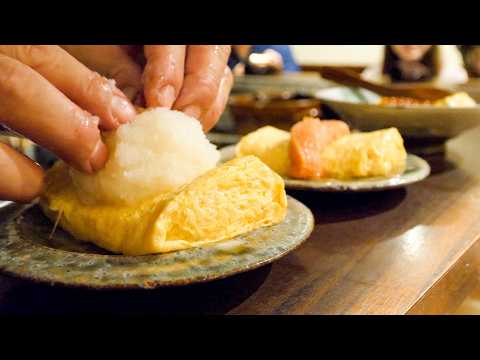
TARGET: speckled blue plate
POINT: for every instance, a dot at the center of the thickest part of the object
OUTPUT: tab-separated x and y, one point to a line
27	252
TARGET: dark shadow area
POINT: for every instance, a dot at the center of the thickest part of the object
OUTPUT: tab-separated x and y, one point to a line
9	210
439	164
338	207
20	297
432	151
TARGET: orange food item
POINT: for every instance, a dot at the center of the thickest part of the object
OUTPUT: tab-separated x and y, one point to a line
403	101
308	138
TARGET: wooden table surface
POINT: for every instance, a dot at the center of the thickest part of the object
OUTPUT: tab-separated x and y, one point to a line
396	252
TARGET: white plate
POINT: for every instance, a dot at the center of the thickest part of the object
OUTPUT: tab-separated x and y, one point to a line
359	108
4	203
417	170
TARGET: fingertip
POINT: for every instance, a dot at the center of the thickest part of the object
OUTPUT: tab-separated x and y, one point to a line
211	118
35	185
193	111
123	110
22	179
165	97
98	158
208	125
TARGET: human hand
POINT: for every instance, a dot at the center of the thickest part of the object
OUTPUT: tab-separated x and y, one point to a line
194	79
51	98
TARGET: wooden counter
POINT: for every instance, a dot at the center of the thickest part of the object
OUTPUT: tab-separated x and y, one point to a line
396	252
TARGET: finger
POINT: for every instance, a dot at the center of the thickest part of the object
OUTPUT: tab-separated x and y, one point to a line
86	88
22	179
163	74
32	106
220	102
112	61
204	69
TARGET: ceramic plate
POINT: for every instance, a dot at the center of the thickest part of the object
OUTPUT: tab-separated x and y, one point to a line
417	170
27	252
4	203
358	107
292	82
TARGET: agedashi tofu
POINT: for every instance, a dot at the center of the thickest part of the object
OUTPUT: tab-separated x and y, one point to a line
269	144
379	153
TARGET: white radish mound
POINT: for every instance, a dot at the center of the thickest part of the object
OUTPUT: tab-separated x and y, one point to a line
158	152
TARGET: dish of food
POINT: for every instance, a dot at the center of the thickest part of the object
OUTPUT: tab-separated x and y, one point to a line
27	251
134	208
367	111
158	194
323	155
456	100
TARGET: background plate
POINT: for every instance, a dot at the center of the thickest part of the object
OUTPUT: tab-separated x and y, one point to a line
417	170
26	252
358	107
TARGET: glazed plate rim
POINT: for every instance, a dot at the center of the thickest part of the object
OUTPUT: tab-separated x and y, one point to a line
422	171
305	224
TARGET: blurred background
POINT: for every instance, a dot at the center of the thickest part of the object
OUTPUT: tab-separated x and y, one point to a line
278	84
353	55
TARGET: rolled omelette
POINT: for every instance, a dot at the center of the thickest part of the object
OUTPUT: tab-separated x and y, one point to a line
232	199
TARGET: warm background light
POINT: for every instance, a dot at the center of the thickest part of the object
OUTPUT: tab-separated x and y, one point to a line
351	55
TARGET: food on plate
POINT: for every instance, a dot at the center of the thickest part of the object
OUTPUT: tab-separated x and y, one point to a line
403	101
269	144
460	99
325	149
378	153
309	137
161	193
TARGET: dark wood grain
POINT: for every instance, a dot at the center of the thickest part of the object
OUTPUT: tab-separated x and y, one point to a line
394	252
380	253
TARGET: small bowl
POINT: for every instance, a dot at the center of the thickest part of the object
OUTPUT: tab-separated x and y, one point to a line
251	112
